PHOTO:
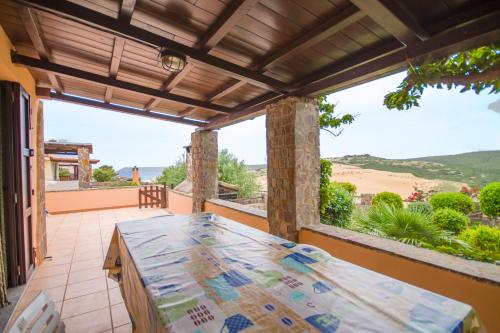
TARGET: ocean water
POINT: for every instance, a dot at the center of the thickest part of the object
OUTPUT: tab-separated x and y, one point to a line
146	173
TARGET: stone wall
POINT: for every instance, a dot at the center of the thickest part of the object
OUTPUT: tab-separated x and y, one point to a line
204	154
293	165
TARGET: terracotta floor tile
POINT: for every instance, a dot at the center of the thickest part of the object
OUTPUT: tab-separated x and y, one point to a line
47	271
123	329
115	296
112	283
86	264
80	305
57	260
49	282
87	274
119	315
87	255
91	322
85	288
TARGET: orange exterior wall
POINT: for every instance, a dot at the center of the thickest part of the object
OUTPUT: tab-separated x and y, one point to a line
179	203
484	297
239	216
78	201
14	73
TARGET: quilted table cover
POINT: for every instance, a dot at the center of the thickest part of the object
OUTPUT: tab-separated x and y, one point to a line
206	273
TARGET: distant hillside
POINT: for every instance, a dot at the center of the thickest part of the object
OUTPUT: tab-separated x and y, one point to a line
476	168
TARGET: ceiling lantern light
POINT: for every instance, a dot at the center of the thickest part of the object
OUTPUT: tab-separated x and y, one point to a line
171	60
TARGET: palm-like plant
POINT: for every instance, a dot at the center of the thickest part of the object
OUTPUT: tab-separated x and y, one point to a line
405	226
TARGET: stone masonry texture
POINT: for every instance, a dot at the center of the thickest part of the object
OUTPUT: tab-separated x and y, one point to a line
293	165
204	154
84	168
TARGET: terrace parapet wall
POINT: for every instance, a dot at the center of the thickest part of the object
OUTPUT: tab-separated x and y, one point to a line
293	165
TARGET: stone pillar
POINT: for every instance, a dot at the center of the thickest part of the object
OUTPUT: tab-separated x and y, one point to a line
293	165
84	170
189	164
204	167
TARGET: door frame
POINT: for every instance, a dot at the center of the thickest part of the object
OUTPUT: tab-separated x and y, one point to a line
19	266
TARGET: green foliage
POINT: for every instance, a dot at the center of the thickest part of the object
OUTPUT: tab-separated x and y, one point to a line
489	199
349	187
104	173
330	122
174	174
484	242
235	172
477	169
392	199
453	200
339	208
420	207
476	69
451	220
404	226
324	185
64	172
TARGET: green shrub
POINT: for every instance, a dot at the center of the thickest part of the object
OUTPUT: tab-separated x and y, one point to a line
420	207
349	187
489	198
339	209
64	172
324	184
453	200
392	199
404	226
104	173
484	242
450	219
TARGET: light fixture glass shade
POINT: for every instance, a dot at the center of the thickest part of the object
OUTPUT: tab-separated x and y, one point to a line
172	61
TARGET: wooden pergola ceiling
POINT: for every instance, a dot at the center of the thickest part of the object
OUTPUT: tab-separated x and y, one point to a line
243	54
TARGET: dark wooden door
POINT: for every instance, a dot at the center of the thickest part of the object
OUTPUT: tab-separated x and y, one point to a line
17	181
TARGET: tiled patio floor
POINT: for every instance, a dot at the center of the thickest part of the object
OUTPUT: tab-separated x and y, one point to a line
87	300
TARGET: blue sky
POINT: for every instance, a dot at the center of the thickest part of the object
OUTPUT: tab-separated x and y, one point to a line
447	122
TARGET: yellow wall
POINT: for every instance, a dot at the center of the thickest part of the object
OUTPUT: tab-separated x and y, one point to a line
85	200
484	297
11	72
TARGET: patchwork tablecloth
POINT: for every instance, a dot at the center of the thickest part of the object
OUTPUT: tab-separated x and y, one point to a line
205	273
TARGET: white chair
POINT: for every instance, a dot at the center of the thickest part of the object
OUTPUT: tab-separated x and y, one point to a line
40	316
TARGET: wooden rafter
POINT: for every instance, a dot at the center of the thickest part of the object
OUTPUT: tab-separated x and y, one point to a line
334	24
113	82
395	18
361	68
126	9
75	12
32	26
227	20
124	109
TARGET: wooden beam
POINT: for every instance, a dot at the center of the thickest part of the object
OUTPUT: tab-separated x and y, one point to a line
170	84
87	16
126	10
395	18
32	26
124	109
226	21
462	37
334	24
113	82
186	112
229	18
116	57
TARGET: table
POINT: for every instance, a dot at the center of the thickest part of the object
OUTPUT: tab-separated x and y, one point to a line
206	273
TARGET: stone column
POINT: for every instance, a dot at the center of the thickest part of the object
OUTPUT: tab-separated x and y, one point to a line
84	171
204	167
293	165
